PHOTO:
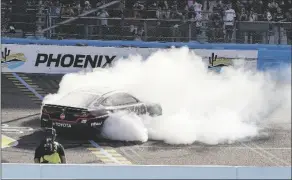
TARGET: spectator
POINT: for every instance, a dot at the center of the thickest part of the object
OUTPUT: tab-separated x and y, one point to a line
278	30
279	15
218	8
54	8
103	22
139	34
269	16
77	8
273	5
288	6
259	7
167	14
289	28
67	11
136	32
11	29
196	25
229	22
238	9
159	14
175	13
87	6
215	31
243	15
197	8
103	14
282	5
190	3
252	35
249	5
138	8
252	16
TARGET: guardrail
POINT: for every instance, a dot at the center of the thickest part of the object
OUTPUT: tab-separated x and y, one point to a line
99	171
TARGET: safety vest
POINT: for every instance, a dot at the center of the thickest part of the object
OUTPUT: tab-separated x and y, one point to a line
52	158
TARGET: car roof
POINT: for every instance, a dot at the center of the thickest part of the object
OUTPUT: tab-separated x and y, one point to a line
101	91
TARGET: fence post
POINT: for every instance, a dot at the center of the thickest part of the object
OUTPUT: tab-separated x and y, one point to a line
145	30
39	21
190	30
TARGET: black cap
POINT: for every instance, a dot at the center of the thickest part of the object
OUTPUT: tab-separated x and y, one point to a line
50	132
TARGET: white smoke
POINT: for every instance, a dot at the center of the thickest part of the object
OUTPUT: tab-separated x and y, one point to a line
198	105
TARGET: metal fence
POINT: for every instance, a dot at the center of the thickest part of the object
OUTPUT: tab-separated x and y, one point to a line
151	29
172	30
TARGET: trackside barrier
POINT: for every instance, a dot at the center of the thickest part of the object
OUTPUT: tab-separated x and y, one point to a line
269	56
90	171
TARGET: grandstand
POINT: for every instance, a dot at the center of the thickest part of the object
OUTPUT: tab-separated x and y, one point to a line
237	21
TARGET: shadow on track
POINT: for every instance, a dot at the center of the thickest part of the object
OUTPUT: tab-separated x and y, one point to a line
69	140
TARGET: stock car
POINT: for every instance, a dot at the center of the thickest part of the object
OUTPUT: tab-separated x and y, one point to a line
89	110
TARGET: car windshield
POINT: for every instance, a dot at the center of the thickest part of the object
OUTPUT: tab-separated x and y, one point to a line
78	99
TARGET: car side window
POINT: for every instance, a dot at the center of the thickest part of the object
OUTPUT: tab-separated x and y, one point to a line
108	101
119	99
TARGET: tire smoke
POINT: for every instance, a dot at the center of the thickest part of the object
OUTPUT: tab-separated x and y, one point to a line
198	105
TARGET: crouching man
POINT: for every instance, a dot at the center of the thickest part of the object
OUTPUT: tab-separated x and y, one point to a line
50	151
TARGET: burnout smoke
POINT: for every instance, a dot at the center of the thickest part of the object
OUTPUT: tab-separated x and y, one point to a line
198	105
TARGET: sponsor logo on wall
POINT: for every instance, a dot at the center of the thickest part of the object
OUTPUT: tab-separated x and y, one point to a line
67	59
11	60
76	61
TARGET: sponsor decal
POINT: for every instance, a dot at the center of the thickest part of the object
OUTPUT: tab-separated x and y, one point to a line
214	61
64	125
76	61
83	121
11	60
95	124
216	64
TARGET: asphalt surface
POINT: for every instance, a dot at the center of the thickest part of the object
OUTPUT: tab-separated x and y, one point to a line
20	112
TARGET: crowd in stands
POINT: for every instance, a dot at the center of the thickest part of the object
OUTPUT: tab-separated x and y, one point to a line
214	17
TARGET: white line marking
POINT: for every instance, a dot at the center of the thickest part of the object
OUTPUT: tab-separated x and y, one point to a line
104	152
135	152
41	98
259	153
28	86
127	154
272	155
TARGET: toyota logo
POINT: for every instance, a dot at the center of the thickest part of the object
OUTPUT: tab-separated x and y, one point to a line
62	116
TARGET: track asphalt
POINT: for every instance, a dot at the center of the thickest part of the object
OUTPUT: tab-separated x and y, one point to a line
20	125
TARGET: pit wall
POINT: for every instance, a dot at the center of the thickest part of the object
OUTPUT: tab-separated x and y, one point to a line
99	171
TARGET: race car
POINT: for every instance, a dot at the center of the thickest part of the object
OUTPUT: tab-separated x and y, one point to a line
88	110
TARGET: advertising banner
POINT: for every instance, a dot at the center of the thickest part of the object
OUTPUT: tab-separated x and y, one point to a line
67	59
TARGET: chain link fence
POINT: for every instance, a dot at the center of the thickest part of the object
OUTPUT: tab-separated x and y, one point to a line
145	29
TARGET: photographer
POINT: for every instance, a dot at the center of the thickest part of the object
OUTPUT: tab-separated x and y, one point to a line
50	151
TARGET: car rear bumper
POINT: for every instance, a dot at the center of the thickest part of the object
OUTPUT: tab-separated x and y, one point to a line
68	126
